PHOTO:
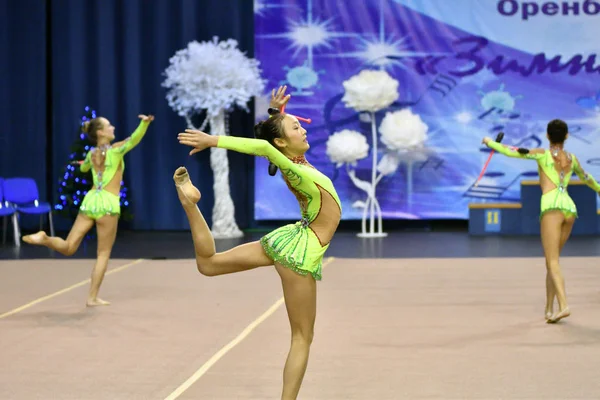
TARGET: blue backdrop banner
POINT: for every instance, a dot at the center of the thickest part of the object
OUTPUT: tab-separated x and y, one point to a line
464	69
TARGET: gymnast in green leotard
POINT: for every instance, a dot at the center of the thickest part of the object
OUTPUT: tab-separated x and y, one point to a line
558	211
101	205
296	250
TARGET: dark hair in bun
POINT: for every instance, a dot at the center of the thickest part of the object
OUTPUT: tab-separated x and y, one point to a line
557	131
269	130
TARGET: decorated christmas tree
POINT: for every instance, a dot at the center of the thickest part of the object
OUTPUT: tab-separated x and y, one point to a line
73	184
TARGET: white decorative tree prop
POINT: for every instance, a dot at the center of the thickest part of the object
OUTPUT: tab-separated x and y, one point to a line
369	92
214	77
402	132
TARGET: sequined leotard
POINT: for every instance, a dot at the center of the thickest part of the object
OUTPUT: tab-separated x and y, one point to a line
557	198
105	162
298	246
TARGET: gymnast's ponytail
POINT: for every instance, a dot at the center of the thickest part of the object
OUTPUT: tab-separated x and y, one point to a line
91	128
269	130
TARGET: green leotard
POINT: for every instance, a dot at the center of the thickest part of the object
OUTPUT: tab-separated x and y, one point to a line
98	202
558	198
295	246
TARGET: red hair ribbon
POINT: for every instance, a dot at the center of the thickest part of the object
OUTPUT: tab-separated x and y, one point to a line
307	120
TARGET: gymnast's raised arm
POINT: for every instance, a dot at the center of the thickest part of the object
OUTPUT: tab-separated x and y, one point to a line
514	152
136	137
258	147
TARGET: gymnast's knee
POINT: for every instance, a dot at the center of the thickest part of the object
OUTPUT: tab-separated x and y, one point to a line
552	263
205	266
304	336
70	250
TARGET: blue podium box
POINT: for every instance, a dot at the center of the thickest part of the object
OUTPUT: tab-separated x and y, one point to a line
494	219
524	218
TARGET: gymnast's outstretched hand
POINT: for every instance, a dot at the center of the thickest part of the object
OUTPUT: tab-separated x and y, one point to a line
279	99
486	140
197	139
146	118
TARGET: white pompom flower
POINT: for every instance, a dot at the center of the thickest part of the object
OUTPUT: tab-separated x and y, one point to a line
389	163
211	76
370	90
347	147
402	130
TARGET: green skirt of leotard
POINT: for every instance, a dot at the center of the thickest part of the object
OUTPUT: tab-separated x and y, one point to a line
296	247
558	200
99	203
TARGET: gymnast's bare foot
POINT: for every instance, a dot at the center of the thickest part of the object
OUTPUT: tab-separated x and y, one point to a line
97	302
562	314
549	312
37	238
187	192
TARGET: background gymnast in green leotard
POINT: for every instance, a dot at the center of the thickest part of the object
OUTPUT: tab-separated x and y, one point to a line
101	205
297	249
558	211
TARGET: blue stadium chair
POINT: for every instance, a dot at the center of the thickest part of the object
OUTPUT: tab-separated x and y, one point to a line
23	194
6	210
